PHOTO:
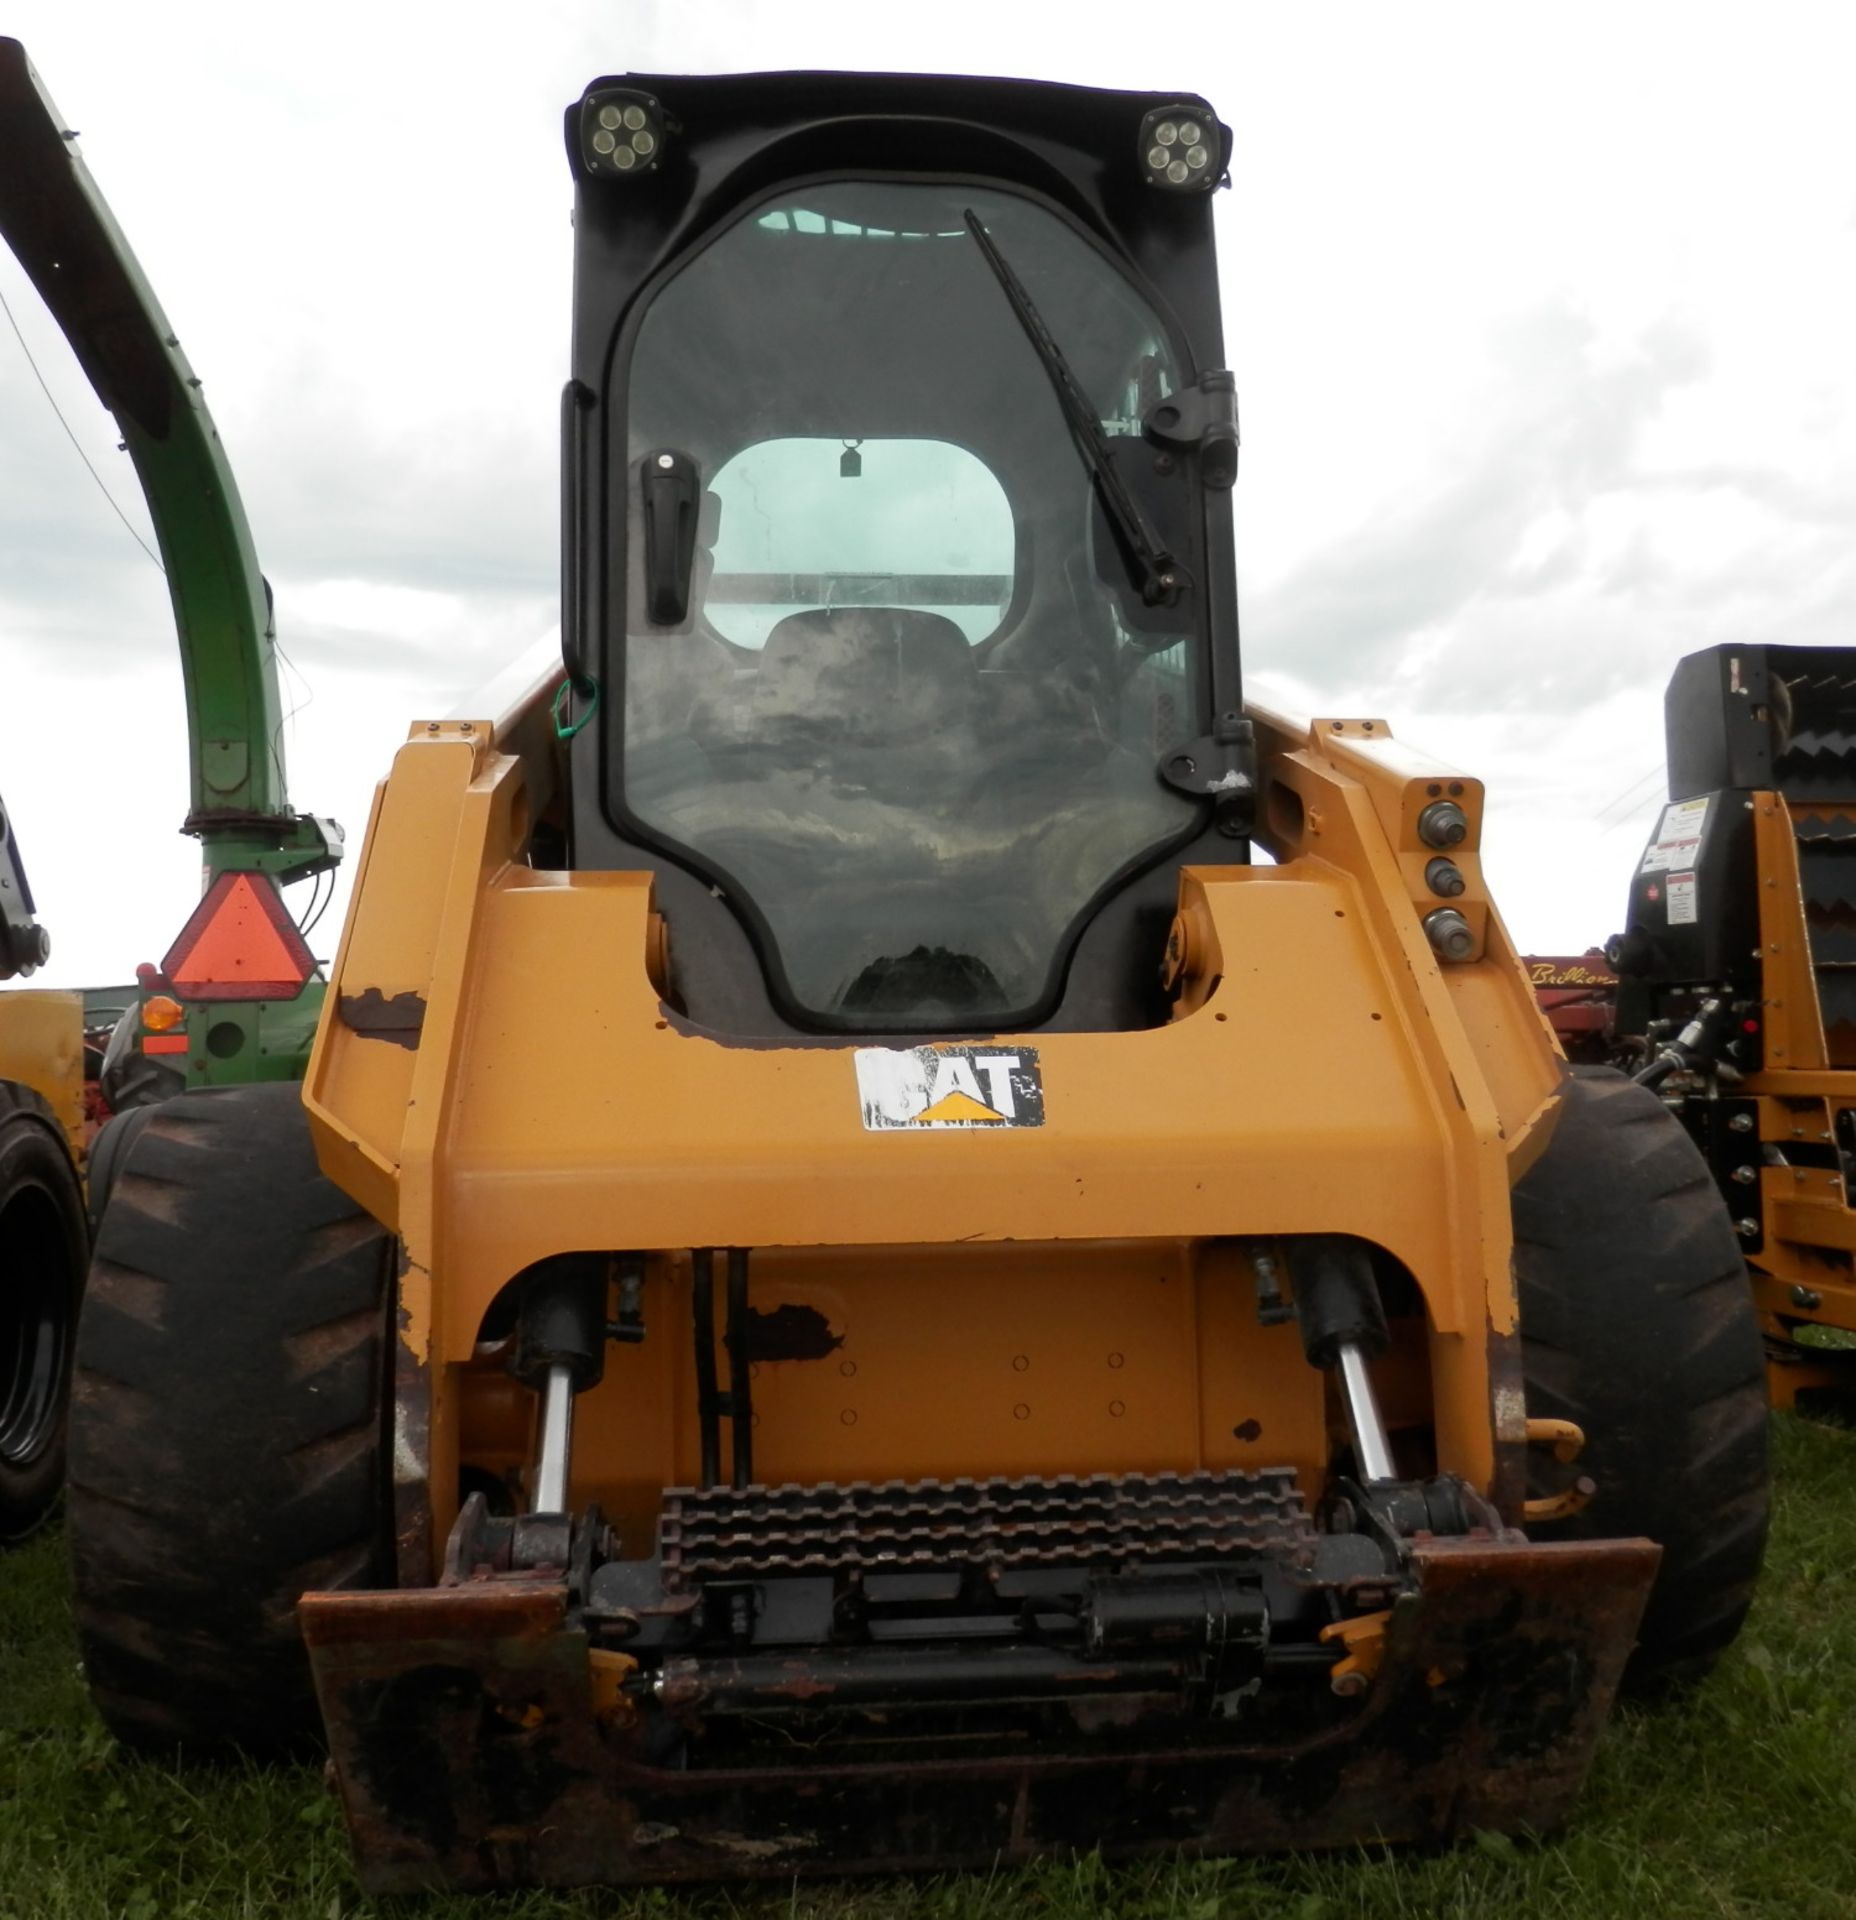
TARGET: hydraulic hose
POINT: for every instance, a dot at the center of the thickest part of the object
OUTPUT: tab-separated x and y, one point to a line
1693	1047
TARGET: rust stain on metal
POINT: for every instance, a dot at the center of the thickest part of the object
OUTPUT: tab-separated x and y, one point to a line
684	1683
526	1610
412	1462
772	1849
801	1687
790	1332
399	1019
414	1316
1508	1403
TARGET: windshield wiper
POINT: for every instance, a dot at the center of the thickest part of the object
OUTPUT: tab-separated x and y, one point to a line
1151	567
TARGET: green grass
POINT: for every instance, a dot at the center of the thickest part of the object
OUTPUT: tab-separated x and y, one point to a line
1740	1800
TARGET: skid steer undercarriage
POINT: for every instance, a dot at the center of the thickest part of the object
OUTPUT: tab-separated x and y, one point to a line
1007	1325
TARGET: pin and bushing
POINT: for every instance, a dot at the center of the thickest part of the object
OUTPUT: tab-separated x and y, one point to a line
1443	824
1450	935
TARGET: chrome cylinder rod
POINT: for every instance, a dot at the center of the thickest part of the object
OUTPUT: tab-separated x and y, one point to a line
1371	1448
557	1435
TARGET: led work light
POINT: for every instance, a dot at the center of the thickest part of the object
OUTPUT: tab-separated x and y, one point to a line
1180	148
621	132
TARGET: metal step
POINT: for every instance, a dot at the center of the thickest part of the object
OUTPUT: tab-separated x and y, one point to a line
1104	1521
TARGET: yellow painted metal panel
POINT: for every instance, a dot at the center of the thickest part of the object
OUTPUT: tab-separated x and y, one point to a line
1325	1075
42	1047
951	1361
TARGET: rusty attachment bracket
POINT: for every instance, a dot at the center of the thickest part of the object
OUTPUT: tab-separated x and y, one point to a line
481	1740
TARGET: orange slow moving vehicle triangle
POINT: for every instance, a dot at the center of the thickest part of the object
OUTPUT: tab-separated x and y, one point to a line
239	944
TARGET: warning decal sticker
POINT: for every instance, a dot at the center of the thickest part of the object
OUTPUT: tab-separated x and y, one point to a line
1682	900
927	1089
1678	839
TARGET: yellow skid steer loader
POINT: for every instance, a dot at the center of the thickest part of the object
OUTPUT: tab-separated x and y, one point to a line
855	1282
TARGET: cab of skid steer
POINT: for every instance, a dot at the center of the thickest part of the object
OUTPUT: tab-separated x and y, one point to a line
900	549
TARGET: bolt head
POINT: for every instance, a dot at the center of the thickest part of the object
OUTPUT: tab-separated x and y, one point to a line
1807	1297
1349	1685
1740	1123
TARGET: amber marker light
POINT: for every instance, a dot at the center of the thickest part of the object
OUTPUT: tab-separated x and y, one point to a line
160	1012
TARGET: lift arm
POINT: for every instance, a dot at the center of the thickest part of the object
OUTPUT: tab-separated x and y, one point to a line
56	221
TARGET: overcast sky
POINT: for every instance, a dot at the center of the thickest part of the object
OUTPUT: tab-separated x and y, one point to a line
1543	319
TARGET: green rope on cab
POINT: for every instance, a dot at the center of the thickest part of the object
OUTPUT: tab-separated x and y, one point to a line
564	728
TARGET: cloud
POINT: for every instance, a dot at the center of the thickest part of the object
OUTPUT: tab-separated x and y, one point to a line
448	639
1514	515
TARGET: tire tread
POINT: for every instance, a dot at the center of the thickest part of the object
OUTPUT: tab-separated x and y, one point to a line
1638	1323
229	1452
34	1154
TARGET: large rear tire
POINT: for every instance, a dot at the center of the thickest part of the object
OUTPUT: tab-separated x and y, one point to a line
1637	1322
107	1152
44	1243
228	1424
